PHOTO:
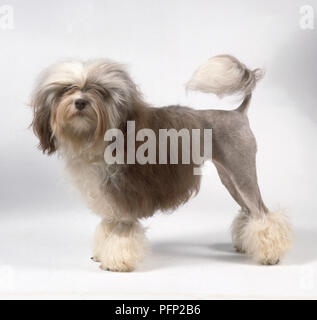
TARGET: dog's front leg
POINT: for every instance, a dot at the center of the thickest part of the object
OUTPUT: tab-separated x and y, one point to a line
119	245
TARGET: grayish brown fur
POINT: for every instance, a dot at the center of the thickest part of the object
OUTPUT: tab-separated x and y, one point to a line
137	191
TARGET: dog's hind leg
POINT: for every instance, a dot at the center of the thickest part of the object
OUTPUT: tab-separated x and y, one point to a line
257	231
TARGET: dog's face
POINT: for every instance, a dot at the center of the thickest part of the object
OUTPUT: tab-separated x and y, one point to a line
76	102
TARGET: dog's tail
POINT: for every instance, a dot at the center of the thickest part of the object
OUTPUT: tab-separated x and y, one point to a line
225	75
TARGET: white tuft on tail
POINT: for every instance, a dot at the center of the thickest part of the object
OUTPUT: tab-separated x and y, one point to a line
225	75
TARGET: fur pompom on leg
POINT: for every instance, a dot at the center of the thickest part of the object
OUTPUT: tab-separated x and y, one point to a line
267	237
119	246
101	234
237	229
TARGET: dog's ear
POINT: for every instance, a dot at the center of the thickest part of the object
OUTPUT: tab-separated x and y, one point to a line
41	122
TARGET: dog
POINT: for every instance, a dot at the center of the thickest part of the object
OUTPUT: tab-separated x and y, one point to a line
75	103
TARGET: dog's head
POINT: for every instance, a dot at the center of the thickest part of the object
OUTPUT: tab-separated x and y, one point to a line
77	102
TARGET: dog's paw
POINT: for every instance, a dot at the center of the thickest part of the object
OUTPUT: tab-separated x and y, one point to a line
237	230
121	247
95	259
267	238
111	246
239	249
121	255
118	267
269	262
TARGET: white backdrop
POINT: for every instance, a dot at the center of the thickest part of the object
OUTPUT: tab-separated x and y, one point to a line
162	42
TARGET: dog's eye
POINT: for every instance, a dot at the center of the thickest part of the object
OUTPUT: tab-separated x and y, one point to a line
68	88
99	90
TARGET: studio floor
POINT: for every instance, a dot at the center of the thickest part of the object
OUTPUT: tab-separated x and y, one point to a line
47	256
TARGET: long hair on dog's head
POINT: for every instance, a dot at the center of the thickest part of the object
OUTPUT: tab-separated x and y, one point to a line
74	103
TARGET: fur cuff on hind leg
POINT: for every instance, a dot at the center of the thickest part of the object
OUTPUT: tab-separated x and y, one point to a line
266	237
236	230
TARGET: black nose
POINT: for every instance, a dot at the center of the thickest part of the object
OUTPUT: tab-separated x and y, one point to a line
80	104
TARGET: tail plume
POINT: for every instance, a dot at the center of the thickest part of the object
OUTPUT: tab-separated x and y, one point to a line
225	75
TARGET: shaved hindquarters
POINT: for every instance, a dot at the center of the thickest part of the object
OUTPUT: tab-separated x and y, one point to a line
264	235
